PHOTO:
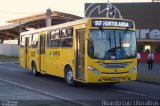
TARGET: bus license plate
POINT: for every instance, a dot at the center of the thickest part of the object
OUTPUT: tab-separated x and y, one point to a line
114	78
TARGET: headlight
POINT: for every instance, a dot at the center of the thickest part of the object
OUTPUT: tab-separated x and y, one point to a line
133	69
93	70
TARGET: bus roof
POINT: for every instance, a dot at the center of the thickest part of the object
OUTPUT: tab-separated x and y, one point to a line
67	24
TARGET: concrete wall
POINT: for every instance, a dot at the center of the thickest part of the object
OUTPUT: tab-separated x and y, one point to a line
10	41
9	50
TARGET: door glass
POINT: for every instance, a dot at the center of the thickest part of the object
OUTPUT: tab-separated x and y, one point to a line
42	53
80	50
42	45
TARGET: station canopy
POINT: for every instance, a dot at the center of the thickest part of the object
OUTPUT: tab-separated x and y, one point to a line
16	26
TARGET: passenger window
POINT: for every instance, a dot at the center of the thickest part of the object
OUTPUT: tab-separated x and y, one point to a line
54	39
34	43
67	37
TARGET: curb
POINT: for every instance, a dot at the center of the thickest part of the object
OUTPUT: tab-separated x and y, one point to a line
156	83
10	62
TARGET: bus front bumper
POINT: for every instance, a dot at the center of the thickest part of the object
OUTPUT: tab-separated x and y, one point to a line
102	78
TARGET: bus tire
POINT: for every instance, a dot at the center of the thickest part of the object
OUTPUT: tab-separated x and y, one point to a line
69	78
34	69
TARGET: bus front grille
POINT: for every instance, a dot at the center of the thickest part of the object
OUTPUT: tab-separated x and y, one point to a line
115	65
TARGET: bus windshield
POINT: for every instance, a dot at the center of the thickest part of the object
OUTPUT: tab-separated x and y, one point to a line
112	44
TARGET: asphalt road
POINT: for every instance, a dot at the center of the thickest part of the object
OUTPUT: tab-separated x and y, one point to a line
94	95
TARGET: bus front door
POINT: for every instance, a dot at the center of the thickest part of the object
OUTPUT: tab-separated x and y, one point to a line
42	54
26	55
80	51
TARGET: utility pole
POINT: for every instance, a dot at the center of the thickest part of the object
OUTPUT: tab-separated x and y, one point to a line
48	18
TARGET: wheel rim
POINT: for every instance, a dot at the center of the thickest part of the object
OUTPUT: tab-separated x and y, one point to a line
69	76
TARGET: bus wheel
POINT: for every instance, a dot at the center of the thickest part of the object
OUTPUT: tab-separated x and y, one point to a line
34	69
69	78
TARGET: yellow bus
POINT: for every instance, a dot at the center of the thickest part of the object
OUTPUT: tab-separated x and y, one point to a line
92	50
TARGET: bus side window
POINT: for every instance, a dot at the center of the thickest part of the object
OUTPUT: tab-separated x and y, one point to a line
54	38
22	41
34	41
67	37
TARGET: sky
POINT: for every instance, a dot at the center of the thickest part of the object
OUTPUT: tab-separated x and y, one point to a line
12	9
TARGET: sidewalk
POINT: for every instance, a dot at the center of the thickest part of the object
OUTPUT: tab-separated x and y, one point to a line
143	66
151	76
8	59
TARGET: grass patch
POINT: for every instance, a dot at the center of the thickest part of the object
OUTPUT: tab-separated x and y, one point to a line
151	77
8	58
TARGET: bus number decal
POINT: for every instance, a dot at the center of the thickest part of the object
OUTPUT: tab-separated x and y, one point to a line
100	60
54	55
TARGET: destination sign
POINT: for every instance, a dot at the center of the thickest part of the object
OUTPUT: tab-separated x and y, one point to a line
112	23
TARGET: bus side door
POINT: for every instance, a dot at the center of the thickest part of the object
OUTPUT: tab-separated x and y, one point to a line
80	51
42	48
26	52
